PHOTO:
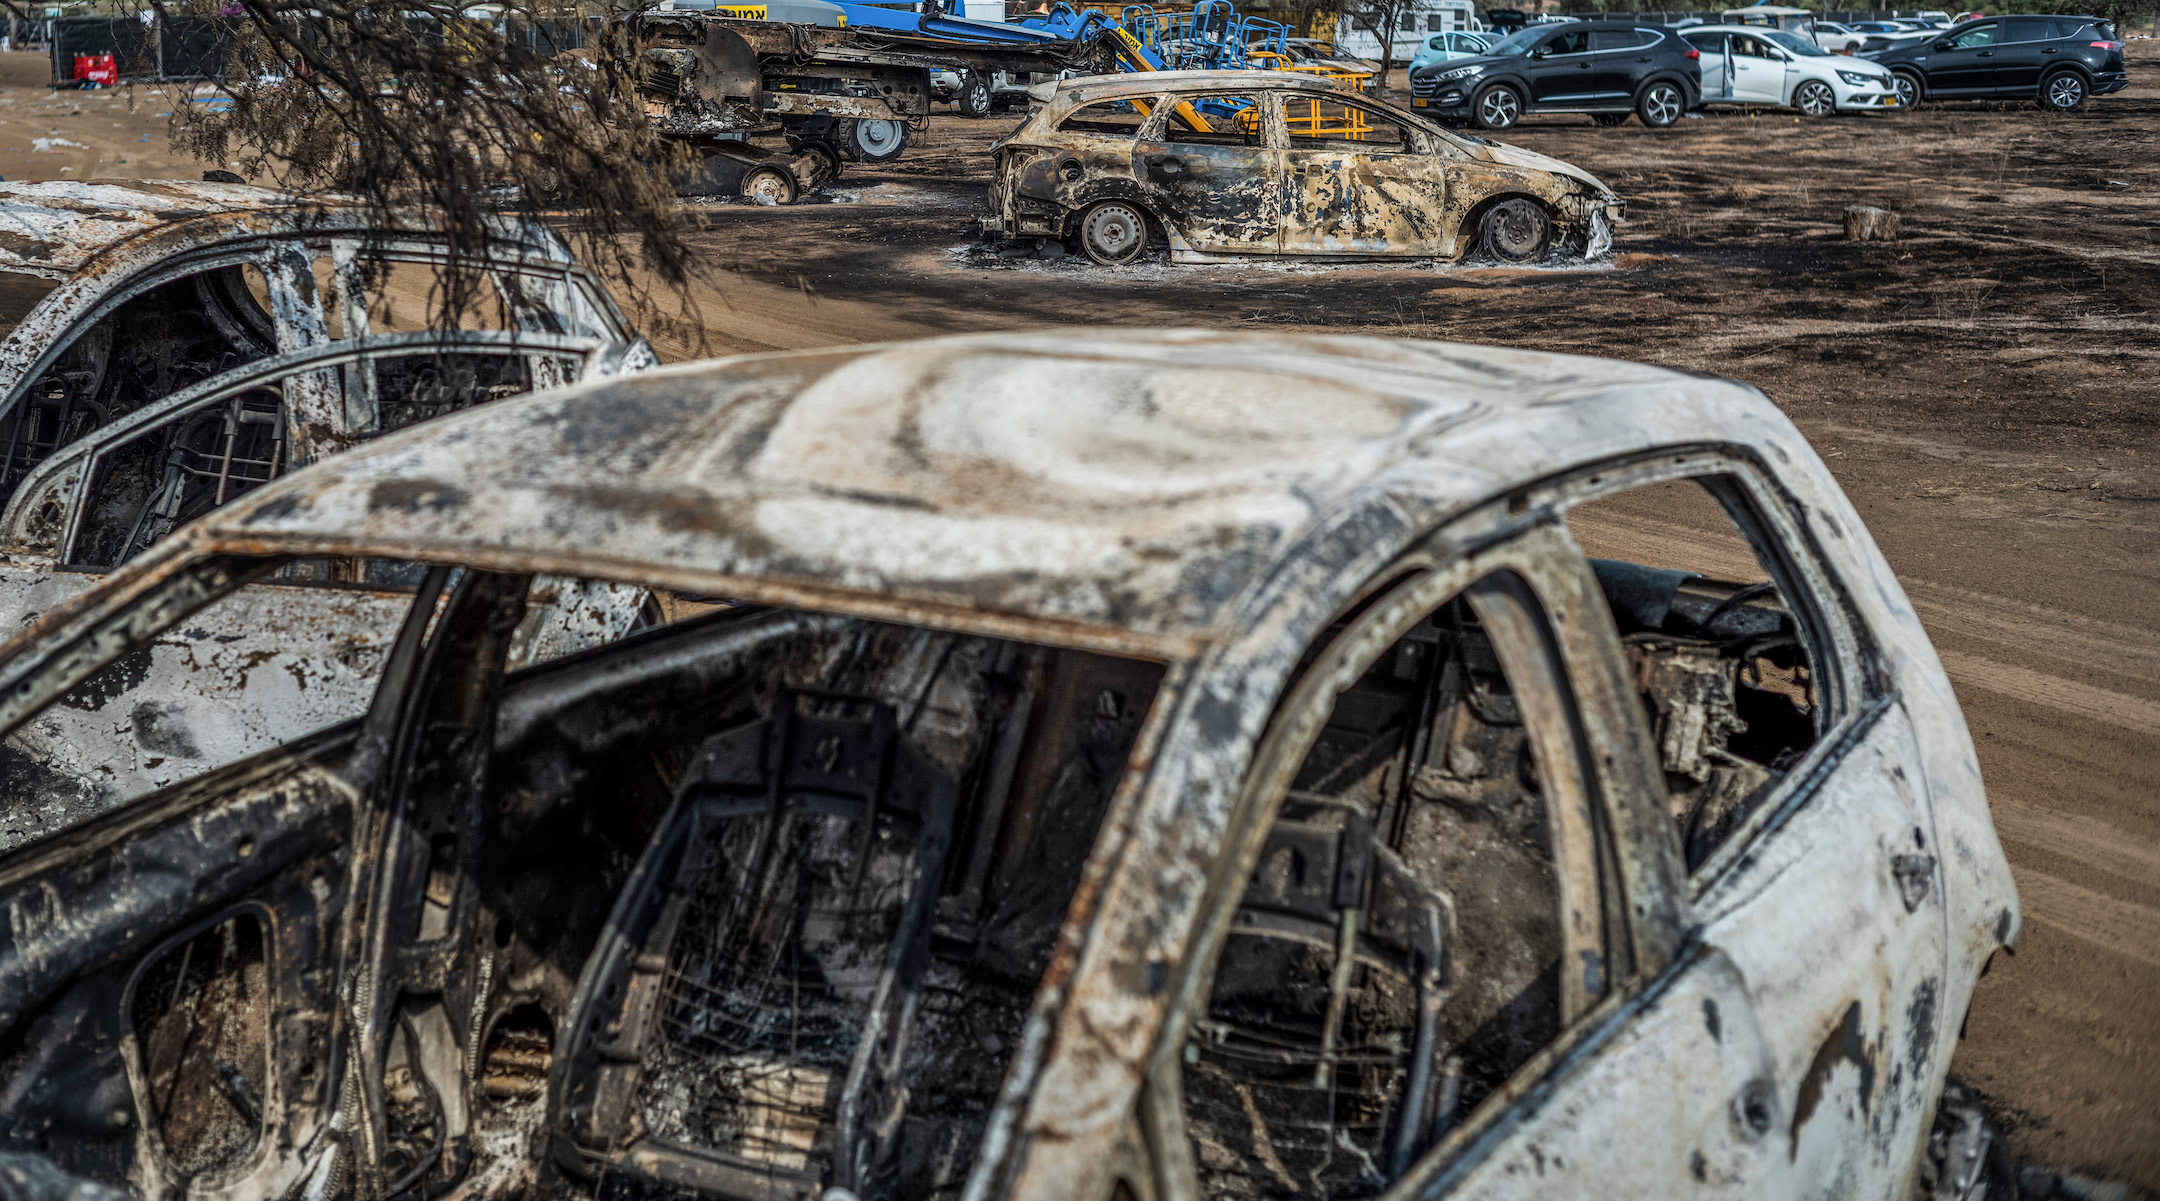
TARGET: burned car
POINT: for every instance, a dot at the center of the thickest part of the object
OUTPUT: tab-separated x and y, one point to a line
1218	164
1125	764
171	347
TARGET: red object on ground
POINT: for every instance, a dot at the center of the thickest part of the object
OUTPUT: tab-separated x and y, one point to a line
98	69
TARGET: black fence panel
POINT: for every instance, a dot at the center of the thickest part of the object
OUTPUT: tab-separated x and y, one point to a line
192	47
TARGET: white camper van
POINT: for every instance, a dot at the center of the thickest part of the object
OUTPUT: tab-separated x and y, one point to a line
1422	19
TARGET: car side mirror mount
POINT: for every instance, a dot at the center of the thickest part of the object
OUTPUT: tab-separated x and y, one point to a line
1540	52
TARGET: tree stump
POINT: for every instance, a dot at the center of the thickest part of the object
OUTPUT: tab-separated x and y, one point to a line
1864	224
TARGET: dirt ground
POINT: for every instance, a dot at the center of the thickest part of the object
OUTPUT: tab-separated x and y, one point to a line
1985	388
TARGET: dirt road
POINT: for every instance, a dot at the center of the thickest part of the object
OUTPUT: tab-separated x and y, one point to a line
1984	388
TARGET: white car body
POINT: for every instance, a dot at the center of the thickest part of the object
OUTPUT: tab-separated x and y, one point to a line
1743	66
1443	47
1836	38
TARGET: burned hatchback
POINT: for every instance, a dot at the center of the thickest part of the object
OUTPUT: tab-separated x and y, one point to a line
171	347
1216	164
1082	764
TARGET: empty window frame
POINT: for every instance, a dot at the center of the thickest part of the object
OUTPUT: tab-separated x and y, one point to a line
1321	122
1109	118
167	337
1216	120
873	833
1725	663
1426	910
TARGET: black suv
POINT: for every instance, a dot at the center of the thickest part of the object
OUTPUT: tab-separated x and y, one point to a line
1604	68
2060	61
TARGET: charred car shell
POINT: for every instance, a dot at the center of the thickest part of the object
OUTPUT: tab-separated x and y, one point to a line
1212	584
172	345
1305	167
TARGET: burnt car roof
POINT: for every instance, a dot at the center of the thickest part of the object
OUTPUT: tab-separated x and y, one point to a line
58	229
983	481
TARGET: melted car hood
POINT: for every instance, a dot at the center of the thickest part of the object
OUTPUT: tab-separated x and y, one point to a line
1516	156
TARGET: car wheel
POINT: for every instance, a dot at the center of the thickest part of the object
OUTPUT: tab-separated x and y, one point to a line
1516	231
1608	120
1113	233
1814	98
1497	107
974	97
1661	105
875	141
1907	87
769	185
2064	92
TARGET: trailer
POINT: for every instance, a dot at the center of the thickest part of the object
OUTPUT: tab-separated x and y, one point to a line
836	82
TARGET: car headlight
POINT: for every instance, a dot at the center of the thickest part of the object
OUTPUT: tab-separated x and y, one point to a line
1460	72
1859	80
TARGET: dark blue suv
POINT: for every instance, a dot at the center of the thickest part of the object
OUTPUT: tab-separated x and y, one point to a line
2060	61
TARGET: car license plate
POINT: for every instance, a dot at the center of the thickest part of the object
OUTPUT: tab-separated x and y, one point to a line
1420	103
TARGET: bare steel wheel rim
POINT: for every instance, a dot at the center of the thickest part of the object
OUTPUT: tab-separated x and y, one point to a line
2066	91
1816	100
1498	108
767	187
1114	233
1662	105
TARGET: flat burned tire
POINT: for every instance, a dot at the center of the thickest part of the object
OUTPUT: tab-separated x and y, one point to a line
768	185
1516	231
875	141
1660	104
1497	107
1113	233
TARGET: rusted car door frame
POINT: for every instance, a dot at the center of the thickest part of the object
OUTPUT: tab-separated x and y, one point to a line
1384	204
1621	898
1200	219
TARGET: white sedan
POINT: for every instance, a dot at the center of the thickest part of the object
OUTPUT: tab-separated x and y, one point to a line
1836	38
1772	67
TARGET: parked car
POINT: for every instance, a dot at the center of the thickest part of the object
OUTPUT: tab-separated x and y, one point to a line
1772	67
2059	61
1602	68
1836	38
978	94
1934	19
1313	52
1135	763
1446	47
171	347
1505	21
1209	164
